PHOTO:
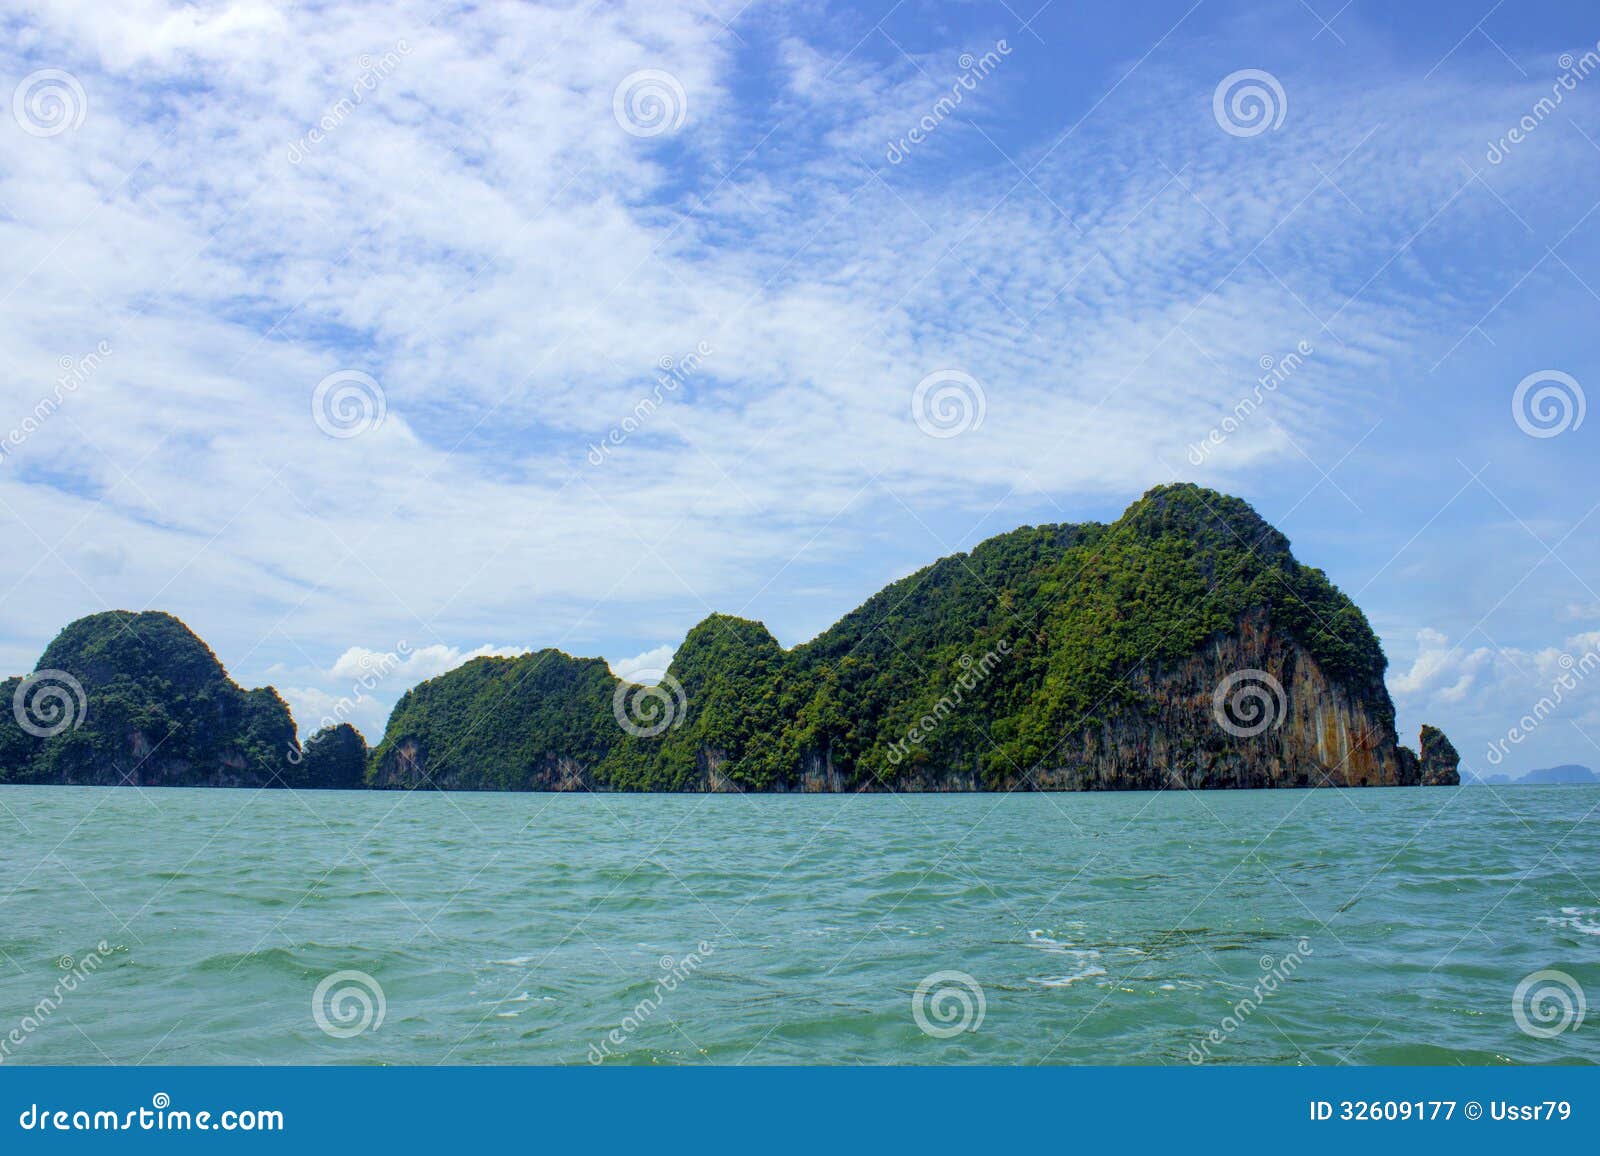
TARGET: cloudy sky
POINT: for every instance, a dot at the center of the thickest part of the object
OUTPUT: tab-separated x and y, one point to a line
327	327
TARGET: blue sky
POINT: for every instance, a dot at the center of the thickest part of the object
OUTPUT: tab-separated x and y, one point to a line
504	221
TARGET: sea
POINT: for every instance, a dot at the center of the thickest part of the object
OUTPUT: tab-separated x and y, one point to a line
1378	926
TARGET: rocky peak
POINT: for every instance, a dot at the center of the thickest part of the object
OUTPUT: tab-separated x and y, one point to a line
1439	763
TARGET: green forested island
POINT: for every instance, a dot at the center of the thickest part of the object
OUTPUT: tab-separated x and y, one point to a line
1179	645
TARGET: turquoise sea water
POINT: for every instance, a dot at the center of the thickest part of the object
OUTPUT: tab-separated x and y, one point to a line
1395	927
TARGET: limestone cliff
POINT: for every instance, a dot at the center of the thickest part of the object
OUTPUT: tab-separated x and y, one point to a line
1181	646
1253	708
1286	724
1440	764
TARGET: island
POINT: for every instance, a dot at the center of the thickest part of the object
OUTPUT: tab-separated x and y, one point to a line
1180	646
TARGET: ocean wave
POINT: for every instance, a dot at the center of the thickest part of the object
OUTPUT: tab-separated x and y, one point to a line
1086	961
1583	920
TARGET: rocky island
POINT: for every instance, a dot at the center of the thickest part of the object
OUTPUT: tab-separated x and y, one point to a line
1180	646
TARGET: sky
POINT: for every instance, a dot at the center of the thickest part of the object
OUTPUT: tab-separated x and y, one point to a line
369	338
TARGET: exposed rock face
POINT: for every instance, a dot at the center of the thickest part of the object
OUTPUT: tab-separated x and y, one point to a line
1280	721
1440	764
142	764
818	775
1181	646
1294	727
405	765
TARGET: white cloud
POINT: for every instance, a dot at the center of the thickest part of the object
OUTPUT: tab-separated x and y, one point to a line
1443	672
651	665
413	665
366	683
1490	692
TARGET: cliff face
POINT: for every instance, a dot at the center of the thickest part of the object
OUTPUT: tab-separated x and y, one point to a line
1280	721
1286	724
141	763
405	765
1439	762
1182	645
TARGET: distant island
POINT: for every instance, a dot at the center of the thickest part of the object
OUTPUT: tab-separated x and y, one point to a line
1568	774
1180	646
